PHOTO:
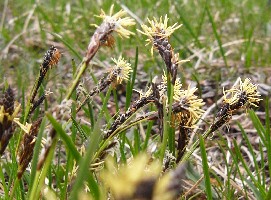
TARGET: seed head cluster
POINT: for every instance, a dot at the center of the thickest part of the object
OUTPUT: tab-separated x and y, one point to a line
117	22
244	95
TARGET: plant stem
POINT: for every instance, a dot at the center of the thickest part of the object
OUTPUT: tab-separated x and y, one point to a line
194	146
82	69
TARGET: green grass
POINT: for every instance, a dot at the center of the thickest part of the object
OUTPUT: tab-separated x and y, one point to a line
222	39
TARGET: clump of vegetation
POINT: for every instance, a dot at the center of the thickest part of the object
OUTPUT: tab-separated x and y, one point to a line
79	148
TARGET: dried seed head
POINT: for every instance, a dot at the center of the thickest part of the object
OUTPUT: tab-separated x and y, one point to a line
117	23
121	70
27	147
8	101
8	111
51	57
220	121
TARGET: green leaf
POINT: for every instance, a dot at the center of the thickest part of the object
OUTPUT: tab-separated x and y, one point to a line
216	34
66	139
36	152
205	168
84	165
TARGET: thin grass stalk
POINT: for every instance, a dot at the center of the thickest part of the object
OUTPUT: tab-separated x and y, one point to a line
194	146
132	83
268	133
14	188
165	135
3	181
236	165
84	164
250	148
216	33
171	131
82	67
238	153
205	169
41	174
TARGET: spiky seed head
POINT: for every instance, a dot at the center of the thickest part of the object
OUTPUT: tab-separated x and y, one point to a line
122	69
243	95
163	88
146	94
158	29
191	103
118	22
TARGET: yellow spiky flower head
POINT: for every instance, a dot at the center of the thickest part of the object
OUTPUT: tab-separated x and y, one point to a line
118	22
188	101
138	179
243	95
158	29
121	69
163	88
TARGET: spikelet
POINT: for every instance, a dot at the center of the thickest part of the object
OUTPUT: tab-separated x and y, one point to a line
8	111
117	74
103	34
242	96
50	59
27	147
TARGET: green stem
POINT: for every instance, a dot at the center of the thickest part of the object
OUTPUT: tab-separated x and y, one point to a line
82	69
40	175
165	134
27	111
14	188
194	146
2	178
119	130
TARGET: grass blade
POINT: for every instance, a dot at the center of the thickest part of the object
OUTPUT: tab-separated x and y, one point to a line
84	165
189	28
267	134
250	148
66	139
205	169
244	164
130	85
216	34
36	152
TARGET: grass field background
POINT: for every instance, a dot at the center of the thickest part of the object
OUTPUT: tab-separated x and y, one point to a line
222	40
